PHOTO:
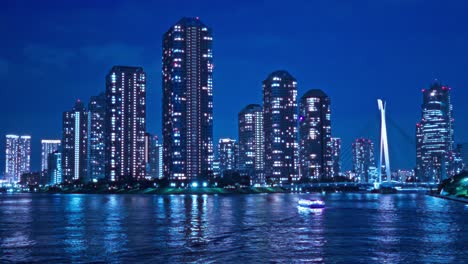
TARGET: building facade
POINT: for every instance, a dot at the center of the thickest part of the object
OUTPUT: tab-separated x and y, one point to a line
280	128
74	143
187	101
336	156
154	157
216	169
315	136
434	135
363	160
48	146
96	167
125	123
54	168
17	157
251	143
227	154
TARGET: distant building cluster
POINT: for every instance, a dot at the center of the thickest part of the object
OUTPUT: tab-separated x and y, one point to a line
284	140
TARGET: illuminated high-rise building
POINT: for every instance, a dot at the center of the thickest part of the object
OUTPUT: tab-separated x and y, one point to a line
54	168
154	157
315	136
96	137
18	157
48	146
252	143
227	154
74	143
187	101
363	160
125	123
280	128
216	168
434	135
336	156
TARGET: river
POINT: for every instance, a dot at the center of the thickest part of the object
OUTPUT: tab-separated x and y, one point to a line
353	228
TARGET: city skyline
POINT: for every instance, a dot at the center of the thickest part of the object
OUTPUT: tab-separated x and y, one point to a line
341	128
235	131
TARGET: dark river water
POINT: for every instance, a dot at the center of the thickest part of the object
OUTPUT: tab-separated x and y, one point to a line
270	228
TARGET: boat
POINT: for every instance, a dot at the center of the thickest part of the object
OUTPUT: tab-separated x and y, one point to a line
311	203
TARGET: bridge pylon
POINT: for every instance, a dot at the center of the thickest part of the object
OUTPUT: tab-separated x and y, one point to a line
383	147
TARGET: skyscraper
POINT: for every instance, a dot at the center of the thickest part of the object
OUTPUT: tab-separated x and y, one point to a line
154	156
363	159
252	143
96	166
315	136
434	135
54	168
227	154
336	156
18	157
48	146
187	101
280	127
74	143
126	123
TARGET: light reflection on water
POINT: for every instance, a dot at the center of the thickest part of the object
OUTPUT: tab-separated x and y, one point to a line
234	228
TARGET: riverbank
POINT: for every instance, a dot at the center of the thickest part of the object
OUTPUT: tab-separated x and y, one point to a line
171	191
450	197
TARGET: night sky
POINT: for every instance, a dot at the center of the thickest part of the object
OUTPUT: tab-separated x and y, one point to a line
54	52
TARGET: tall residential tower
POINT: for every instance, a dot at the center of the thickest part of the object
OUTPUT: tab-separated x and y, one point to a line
187	77
227	154
280	127
315	136
126	123
252	143
48	146
97	137
18	157
336	156
154	156
74	143
363	159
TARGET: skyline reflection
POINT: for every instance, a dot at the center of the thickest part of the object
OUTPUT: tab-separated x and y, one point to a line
243	228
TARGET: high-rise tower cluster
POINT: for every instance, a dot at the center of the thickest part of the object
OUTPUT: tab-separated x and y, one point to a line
108	138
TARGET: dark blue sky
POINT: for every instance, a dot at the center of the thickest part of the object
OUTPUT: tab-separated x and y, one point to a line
53	52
